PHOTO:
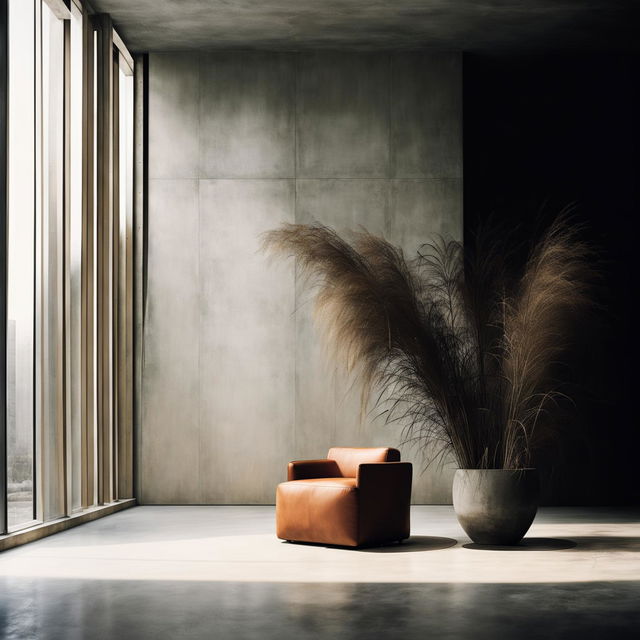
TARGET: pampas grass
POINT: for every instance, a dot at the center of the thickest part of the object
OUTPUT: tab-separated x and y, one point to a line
462	354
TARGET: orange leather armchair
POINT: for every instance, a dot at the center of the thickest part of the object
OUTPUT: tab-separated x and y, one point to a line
355	497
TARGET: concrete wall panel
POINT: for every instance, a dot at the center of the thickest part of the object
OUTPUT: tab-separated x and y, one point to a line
247	342
173	115
168	458
343	115
421	210
426	112
325	414
247	115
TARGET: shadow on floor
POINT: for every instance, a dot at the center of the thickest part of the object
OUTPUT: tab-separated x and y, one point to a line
528	544
413	544
608	543
579	543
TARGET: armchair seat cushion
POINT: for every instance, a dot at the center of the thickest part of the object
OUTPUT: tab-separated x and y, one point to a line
318	510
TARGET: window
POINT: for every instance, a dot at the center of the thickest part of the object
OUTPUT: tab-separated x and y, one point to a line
49	278
69	263
125	270
21	265
74	264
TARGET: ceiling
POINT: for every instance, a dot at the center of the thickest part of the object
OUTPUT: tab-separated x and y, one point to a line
467	25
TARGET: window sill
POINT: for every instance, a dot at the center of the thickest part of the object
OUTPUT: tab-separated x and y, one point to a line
54	526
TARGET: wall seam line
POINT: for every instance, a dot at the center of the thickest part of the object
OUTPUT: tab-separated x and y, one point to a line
199	278
391	159
335	178
295	267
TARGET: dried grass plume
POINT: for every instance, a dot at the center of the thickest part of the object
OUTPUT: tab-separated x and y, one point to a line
464	353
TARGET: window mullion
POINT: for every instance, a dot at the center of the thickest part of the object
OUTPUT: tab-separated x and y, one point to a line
67	478
88	266
104	257
4	254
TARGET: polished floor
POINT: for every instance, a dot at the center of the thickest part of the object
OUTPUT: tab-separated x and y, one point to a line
219	572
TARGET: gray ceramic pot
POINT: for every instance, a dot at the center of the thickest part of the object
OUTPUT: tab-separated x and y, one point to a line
495	506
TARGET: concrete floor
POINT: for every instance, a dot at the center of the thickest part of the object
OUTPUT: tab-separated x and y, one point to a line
219	572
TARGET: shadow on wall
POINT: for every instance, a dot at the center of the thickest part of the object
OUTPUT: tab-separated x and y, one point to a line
541	133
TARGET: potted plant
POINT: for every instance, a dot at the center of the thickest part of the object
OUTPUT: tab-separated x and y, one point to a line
463	350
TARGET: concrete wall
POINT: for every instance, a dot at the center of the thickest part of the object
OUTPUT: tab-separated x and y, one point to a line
235	382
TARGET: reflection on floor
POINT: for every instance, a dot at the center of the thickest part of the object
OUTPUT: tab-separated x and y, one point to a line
219	572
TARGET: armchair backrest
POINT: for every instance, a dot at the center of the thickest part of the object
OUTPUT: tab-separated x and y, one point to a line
349	458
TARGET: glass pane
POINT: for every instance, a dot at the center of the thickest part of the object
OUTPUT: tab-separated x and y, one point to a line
52	276
75	250
126	147
94	275
125	299
21	292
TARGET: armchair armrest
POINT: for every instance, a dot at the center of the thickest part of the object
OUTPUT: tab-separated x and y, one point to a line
385	477
384	491
306	469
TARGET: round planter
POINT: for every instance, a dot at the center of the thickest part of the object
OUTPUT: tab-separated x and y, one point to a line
495	506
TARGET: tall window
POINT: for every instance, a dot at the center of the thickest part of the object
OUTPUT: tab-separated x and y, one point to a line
124	305
74	257
49	280
21	264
